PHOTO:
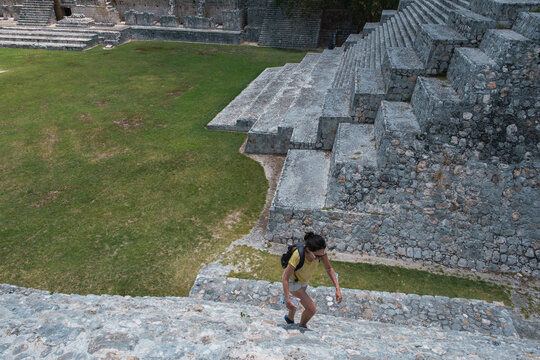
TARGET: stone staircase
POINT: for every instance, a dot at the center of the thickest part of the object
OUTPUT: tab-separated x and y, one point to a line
374	193
38	324
435	312
440	170
36	13
56	38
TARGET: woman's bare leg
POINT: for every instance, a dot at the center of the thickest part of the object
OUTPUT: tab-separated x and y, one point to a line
309	306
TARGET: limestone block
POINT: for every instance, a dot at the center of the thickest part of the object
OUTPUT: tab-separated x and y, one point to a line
470	72
435	102
197	22
368	93
528	25
507	47
395	127
470	24
144	19
435	45
168	21
505	12
400	68
130	17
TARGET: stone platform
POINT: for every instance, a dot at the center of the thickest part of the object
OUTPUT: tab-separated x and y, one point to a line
37	324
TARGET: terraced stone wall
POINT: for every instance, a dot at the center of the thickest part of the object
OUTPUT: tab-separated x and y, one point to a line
462	192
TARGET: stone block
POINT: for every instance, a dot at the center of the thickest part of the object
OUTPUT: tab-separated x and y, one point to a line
369	27
471	72
528	25
505	12
435	46
168	21
387	15
400	68
396	128
198	22
470	24
369	91
130	17
139	18
353	152
507	47
435	102
301	185
233	19
336	110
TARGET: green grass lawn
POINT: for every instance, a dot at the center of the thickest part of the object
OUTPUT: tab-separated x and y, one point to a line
109	182
261	265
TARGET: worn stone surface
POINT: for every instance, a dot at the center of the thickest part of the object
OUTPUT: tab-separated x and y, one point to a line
36	324
395	308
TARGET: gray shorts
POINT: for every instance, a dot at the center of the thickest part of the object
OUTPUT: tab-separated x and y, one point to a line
295	286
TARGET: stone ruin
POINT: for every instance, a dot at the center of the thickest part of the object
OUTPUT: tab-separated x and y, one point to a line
417	140
213	21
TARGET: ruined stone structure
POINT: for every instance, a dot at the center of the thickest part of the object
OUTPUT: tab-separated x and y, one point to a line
418	140
214	21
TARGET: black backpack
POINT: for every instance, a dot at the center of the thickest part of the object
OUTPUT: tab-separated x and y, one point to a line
285	257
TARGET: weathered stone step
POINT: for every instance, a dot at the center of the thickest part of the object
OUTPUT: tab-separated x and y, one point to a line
470	71
47	30
303	181
434	312
395	125
52	39
259	105
304	115
227	119
36	324
505	12
353	152
267	134
528	25
42	45
503	46
368	93
434	102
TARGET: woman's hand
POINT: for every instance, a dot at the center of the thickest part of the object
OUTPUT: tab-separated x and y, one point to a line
290	305
339	297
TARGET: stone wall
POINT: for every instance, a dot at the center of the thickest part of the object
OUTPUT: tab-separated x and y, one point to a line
188	35
290	29
436	312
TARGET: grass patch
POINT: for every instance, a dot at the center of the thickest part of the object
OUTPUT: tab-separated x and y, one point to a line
261	265
109	182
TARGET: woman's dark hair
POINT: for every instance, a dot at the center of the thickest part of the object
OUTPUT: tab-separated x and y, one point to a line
314	242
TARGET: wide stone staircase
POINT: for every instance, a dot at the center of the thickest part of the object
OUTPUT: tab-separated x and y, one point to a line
52	38
416	113
38	324
36	12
